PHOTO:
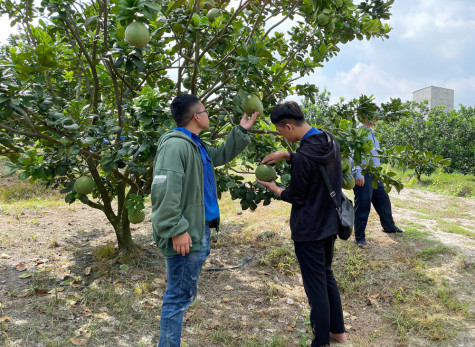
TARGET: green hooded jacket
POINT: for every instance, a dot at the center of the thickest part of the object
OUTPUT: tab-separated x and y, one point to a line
177	188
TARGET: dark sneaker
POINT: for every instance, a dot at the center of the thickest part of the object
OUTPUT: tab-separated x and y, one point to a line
396	230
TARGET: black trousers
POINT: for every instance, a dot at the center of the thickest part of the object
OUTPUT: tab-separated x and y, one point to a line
326	315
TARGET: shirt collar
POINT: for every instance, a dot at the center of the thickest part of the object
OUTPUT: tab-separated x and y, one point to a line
312	131
188	133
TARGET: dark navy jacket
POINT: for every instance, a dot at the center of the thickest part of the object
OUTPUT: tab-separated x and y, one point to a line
313	216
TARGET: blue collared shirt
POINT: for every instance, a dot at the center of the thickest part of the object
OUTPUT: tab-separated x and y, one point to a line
210	195
374	153
311	132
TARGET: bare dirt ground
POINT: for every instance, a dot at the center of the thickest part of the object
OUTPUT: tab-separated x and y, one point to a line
67	297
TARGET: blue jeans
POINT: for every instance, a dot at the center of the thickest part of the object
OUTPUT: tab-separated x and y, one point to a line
366	195
183	273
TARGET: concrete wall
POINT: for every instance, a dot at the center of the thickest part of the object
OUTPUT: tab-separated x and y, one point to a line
436	96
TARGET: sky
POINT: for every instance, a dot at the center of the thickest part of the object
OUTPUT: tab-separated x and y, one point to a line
432	43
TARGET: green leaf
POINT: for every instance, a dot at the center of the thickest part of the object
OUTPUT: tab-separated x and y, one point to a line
72	127
153	5
24	175
231	185
172	5
4	98
89	20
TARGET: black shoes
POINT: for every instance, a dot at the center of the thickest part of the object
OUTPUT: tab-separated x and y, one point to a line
396	230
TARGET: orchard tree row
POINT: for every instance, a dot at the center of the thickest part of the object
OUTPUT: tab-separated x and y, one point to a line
444	134
85	86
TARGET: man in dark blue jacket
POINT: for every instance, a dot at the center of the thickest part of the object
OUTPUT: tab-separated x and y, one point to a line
366	194
313	218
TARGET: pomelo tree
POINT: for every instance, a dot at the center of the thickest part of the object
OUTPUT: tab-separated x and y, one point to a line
76	99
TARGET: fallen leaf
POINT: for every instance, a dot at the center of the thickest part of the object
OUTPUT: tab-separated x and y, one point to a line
40	291
375	296
159	280
101	315
24	293
6	319
25	275
5	256
225	300
68	282
87	271
21	267
78	342
228	287
138	290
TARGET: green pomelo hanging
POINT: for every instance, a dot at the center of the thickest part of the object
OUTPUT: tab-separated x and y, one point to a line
348	181
345	165
251	103
323	19
265	173
213	14
136	217
84	185
137	34
208	4
187	83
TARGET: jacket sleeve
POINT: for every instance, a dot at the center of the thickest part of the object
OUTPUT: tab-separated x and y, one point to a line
297	192
166	191
236	141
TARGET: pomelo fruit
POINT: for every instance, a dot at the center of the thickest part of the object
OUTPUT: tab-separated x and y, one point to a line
84	185
187	83
323	19
213	14
348	181
251	103
265	173
136	217
137	34
345	165
208	4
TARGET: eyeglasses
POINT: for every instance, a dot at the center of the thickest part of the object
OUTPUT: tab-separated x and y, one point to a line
202	111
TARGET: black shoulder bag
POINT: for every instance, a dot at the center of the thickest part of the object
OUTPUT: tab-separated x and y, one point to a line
346	212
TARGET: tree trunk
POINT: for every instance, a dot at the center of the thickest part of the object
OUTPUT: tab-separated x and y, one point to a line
124	236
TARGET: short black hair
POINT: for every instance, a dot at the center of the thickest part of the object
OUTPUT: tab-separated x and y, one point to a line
181	107
287	112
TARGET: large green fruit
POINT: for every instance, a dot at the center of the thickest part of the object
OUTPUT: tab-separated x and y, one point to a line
265	173
187	83
84	185
348	181
213	14
137	34
136	217
208	4
251	104
345	165
323	19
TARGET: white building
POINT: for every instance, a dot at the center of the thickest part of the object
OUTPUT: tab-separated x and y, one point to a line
436	96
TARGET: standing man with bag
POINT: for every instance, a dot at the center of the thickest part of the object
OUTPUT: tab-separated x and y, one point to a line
185	204
313	218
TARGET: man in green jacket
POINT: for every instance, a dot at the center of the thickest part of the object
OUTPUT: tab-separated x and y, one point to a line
185	204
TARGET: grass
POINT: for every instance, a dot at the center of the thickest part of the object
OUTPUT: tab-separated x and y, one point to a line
403	282
450	227
452	184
